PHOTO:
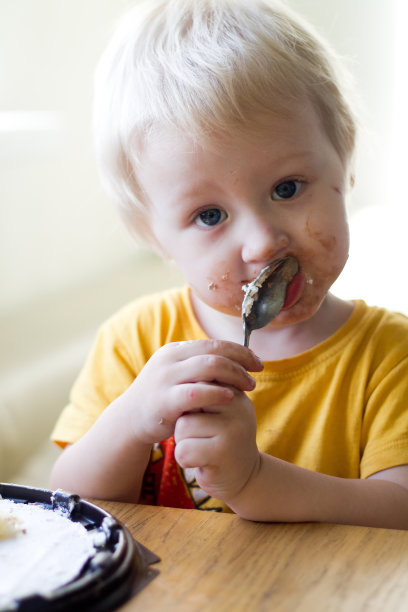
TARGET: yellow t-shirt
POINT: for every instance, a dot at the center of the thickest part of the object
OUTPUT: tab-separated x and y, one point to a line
340	408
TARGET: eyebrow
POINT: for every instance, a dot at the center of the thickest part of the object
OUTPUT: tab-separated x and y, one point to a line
296	155
192	192
196	189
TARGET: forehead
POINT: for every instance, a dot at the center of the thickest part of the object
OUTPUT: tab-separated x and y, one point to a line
273	138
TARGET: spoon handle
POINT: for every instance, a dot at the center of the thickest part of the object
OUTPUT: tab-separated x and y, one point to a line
247	333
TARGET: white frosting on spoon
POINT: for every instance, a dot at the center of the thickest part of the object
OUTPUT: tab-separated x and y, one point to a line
251	290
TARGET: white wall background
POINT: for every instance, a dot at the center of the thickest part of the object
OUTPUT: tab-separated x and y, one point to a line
57	228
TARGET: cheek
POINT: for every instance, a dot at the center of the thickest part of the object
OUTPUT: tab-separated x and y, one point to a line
328	245
204	270
216	288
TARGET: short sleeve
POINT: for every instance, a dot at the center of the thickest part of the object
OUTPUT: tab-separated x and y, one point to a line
107	373
122	348
385	424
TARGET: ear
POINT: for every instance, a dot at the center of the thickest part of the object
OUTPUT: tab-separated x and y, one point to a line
156	245
158	249
351	172
141	228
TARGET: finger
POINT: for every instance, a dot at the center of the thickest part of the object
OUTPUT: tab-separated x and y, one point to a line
214	368
194	452
194	396
230	350
197	425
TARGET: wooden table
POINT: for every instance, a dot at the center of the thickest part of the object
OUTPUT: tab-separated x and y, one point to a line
219	562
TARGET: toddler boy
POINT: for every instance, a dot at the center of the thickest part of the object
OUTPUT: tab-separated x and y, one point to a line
227	141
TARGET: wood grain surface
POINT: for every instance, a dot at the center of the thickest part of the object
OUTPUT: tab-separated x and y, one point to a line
212	561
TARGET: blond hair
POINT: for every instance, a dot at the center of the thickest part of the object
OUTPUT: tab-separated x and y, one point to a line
208	66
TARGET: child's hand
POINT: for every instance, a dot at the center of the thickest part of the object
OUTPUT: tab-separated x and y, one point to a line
221	445
185	377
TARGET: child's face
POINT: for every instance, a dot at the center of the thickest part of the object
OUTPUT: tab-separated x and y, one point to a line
223	213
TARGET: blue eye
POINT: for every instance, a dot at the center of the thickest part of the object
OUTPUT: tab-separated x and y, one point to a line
210	217
286	190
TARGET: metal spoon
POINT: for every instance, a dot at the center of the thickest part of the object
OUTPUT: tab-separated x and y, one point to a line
265	296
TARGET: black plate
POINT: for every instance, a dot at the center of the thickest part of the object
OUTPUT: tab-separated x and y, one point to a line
118	568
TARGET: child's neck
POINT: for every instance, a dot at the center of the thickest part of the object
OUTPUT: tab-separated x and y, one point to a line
274	344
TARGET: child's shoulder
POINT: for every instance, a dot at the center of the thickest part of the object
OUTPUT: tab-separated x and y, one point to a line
153	303
382	330
158	318
381	320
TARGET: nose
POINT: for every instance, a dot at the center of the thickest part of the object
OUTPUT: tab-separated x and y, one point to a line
263	240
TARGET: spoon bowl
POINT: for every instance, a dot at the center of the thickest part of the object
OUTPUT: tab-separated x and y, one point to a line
265	296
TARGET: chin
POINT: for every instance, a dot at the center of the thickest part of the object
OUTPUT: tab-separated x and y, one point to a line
301	311
221	301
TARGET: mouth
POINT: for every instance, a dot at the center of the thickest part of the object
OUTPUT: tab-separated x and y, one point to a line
294	290
289	272
267	294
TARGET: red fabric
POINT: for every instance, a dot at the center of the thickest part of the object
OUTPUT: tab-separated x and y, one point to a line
165	483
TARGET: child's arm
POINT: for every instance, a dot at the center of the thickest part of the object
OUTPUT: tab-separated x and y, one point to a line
109	461
260	487
286	492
